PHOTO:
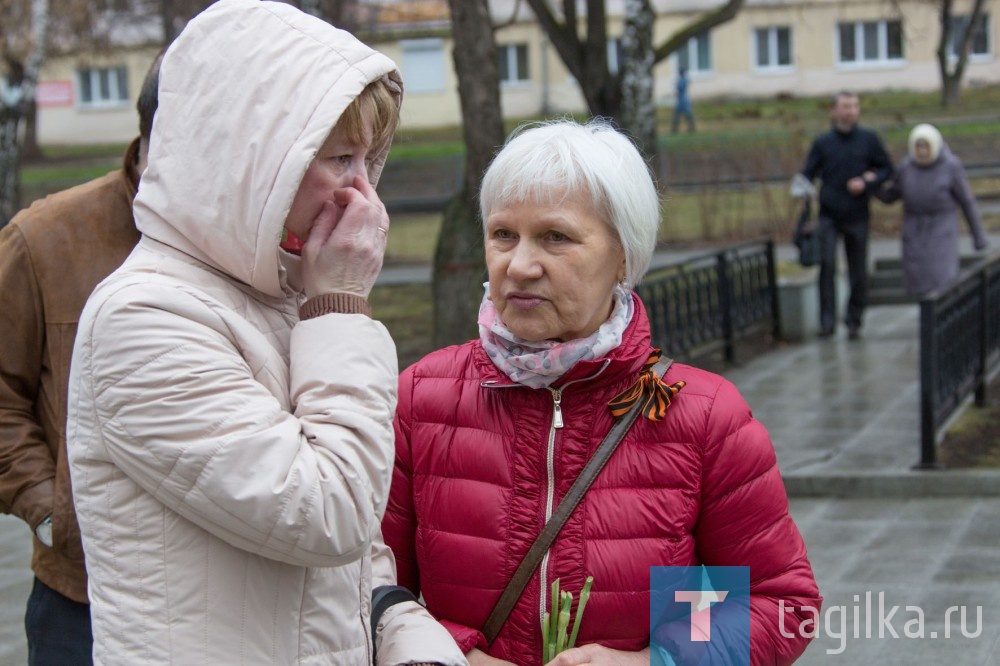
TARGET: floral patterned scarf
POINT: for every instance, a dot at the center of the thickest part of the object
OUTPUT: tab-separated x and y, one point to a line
539	364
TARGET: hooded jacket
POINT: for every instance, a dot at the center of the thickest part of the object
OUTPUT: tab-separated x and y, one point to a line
480	463
52	255
230	462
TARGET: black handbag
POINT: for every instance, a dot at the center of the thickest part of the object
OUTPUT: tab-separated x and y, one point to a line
806	237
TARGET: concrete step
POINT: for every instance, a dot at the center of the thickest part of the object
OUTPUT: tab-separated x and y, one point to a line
889	296
896	263
886	279
888	264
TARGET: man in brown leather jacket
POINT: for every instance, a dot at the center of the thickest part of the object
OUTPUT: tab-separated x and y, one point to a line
52	255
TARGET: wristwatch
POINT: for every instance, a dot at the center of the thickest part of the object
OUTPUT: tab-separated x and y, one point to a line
44	531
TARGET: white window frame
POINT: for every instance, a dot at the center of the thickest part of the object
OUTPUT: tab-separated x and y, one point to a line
772	65
115	97
509	52
960	21
883	59
694	65
423	65
614	52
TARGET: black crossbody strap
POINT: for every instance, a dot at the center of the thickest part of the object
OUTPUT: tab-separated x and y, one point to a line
505	604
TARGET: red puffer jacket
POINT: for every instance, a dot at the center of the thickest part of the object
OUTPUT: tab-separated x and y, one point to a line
478	465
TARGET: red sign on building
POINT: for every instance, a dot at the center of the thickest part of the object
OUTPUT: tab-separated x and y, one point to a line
54	93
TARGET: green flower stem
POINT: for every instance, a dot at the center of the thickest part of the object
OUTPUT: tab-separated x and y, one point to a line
584	596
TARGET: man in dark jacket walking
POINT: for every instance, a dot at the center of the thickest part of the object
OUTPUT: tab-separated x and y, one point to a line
852	163
52	255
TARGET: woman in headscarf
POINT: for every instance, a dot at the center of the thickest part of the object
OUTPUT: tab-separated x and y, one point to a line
932	183
491	434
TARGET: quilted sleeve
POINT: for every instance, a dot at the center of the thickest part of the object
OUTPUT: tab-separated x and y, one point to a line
744	521
399	525
162	392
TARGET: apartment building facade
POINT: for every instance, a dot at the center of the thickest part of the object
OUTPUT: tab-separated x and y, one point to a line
772	48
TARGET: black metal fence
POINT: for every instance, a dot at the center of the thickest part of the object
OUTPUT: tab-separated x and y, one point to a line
959	349
709	302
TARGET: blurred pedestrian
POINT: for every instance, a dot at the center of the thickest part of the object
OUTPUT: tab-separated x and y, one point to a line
852	163
491	434
52	255
932	183
682	104
230	412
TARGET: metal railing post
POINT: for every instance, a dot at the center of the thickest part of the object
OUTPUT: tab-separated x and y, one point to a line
772	283
984	352
726	307
928	383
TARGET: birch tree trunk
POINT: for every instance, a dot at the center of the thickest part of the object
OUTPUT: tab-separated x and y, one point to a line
638	114
952	68
16	98
586	58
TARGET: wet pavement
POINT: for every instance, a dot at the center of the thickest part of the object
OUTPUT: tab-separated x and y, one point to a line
15	586
919	555
844	418
845	421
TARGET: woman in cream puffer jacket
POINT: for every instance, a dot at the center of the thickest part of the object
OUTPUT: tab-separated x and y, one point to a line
231	462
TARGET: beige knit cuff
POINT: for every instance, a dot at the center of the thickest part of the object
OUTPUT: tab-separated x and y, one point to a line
335	303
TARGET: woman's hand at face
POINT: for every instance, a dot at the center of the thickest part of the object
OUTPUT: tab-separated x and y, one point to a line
598	655
477	657
346	245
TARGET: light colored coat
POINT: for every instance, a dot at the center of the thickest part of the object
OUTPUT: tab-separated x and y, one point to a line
231	463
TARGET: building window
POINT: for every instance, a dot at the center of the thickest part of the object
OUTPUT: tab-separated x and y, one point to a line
772	48
869	42
423	65
513	62
980	41
103	87
615	55
696	55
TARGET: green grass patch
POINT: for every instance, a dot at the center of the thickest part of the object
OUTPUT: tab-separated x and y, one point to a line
409	149
973	439
413	237
63	152
407	314
71	174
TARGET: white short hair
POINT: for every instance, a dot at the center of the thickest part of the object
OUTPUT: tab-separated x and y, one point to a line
550	161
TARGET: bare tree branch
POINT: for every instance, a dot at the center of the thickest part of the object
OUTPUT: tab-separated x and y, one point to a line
702	24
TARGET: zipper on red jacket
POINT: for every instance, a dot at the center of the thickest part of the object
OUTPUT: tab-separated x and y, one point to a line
557	421
550	472
550	454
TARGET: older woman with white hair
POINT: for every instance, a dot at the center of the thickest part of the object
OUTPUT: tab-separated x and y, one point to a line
932	183
492	435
